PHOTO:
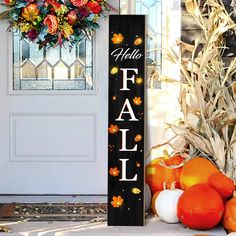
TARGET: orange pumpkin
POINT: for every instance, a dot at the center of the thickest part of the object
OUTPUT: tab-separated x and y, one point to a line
196	171
164	170
200	207
229	219
222	184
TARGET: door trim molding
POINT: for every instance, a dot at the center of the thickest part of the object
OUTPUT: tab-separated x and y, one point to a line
53	198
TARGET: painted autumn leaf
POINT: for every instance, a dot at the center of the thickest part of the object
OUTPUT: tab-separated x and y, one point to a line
139	80
117	38
117	201
138	41
137	101
114	171
113	129
136	191
138	138
114	70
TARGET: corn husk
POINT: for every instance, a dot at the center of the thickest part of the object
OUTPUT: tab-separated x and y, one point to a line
208	92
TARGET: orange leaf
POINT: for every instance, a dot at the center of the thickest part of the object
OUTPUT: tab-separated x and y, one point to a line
114	171
113	129
117	201
117	38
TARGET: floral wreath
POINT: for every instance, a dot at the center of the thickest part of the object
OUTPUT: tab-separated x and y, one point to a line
52	22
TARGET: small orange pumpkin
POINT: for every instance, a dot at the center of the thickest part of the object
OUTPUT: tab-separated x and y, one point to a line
164	170
200	207
229	219
222	184
196	171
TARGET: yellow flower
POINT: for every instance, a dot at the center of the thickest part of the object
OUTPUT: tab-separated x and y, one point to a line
117	201
25	27
117	38
67	30
62	9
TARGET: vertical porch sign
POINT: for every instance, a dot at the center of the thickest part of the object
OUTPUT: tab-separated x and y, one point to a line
126	120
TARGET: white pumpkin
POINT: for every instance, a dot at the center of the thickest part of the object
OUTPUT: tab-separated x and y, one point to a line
232	234
148	197
166	205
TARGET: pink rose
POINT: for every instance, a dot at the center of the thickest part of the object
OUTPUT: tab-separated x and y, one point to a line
79	3
51	22
72	17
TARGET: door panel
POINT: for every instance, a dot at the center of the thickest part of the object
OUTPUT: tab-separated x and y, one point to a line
54	142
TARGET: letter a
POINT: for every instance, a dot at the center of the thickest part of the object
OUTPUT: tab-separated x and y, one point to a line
130	111
124	171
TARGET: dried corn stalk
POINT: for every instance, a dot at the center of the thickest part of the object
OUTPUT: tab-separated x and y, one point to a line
208	92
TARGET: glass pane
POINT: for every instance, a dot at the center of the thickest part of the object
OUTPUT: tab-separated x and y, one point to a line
54	69
153	10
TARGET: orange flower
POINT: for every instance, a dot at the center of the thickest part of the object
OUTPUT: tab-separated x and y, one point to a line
79	3
138	138
30	12
67	30
54	4
117	201
114	171
137	101
51	22
113	129
72	17
138	41
10	2
117	38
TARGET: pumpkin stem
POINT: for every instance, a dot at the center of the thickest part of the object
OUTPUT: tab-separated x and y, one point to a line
172	186
164	185
166	154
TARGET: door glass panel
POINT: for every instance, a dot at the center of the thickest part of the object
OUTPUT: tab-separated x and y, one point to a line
52	69
153	10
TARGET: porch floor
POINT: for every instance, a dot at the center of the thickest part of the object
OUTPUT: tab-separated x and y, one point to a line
154	227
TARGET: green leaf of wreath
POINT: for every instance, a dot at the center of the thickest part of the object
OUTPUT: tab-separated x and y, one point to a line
21	4
43	33
15	14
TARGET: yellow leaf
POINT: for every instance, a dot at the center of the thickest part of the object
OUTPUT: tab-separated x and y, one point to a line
136	191
114	70
138	41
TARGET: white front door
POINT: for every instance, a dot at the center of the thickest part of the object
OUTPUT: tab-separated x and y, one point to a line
53	129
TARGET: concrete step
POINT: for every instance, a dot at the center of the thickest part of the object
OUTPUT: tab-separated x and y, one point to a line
154	227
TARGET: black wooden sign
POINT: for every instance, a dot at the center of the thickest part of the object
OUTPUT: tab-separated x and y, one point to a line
126	120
